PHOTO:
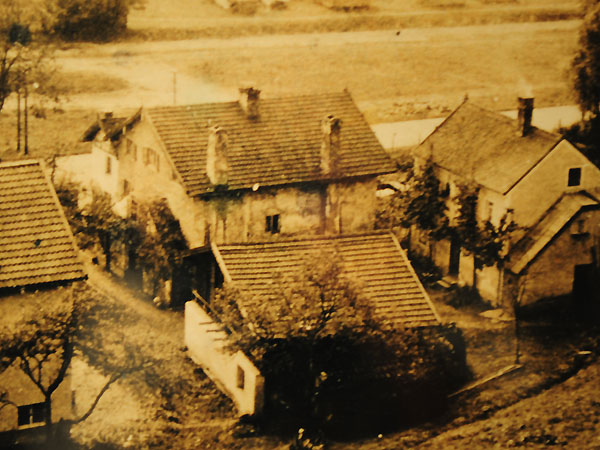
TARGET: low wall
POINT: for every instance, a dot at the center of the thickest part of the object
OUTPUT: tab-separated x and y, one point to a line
233	373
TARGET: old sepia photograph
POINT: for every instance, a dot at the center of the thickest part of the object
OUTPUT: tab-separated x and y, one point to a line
299	224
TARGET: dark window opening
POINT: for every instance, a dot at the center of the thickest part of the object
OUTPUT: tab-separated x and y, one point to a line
108	165
272	224
240	378
30	414
574	176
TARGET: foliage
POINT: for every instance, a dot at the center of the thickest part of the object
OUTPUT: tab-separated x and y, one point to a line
586	63
326	359
93	20
43	343
419	204
161	242
25	55
485	241
586	135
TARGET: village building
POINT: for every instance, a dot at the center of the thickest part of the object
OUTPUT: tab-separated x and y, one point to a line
38	255
375	261
534	178
250	170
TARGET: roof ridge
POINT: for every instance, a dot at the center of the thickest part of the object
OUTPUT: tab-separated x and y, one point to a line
342	93
308	239
20	162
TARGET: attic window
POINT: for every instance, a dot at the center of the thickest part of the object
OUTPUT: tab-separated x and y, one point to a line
272	224
30	414
574	176
108	165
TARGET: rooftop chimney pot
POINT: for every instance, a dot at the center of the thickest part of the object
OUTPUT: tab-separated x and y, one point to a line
525	115
217	167
249	101
331	143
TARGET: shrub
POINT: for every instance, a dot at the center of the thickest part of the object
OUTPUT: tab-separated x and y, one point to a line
89	20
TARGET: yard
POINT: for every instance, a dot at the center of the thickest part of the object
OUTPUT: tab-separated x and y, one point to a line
176	406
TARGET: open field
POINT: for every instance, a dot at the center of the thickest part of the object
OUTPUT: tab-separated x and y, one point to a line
180	19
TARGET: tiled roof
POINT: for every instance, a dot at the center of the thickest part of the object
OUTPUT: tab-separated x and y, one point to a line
375	260
281	147
36	244
484	146
538	237
110	126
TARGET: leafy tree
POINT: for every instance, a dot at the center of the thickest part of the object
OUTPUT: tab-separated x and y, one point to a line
93	20
162	243
586	63
326	359
101	221
25	54
420	204
485	241
42	346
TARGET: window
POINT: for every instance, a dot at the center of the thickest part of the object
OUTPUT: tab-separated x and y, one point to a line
574	176
30	414
490	210
126	187
272	224
240	379
108	165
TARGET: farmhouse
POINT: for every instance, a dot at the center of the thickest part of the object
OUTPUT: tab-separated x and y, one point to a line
37	252
374	260
251	170
536	179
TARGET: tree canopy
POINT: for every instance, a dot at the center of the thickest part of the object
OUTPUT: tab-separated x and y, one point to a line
586	63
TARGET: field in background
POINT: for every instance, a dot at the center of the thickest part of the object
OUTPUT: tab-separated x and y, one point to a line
186	19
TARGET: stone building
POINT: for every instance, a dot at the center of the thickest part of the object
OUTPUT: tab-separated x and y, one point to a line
523	174
38	255
251	170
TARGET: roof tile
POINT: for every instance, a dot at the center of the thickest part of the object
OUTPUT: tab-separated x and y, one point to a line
36	244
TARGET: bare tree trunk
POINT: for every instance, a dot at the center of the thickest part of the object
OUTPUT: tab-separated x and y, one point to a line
18	120
48	416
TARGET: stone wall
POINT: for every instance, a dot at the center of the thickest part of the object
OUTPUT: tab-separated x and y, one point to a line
232	372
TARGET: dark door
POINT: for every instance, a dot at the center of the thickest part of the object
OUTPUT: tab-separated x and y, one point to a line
583	285
454	263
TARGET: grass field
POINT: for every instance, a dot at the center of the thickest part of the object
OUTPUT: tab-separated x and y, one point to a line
185	19
384	77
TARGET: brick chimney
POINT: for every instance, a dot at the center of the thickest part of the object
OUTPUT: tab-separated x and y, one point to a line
525	115
330	145
250	101
216	156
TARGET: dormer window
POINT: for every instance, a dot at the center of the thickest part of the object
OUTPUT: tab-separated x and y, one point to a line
272	224
574	176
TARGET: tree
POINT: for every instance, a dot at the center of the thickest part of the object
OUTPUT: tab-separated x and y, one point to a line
486	242
43	344
93	20
422	203
586	63
100	220
326	359
25	54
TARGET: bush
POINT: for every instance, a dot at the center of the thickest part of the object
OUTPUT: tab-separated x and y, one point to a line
88	20
370	383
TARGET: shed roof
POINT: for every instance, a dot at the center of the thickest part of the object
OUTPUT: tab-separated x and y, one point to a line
375	260
551	223
281	147
485	146
36	243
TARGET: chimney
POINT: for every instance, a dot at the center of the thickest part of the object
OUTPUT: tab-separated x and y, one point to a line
330	146
216	156
525	115
249	101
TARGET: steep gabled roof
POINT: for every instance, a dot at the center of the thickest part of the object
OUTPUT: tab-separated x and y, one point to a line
281	147
485	146
374	260
551	223
36	244
110	126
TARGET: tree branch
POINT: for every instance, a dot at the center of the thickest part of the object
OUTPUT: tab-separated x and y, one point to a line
107	385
